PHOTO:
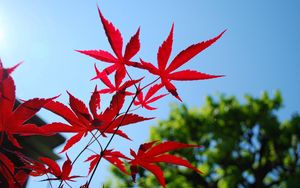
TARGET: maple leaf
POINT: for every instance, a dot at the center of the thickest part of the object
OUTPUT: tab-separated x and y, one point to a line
7	170
35	168
167	74
5	72
117	87
114	157
145	101
151	153
82	121
60	173
116	42
13	121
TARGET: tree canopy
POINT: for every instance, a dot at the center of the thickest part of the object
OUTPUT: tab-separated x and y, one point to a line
245	145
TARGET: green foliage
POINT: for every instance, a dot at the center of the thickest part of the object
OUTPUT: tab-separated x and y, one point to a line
245	145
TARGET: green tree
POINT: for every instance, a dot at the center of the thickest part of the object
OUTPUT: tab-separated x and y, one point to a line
245	145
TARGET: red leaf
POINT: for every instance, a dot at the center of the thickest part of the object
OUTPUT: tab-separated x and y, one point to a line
80	109
60	174
94	103
13	140
100	55
53	166
149	153
114	108
156	171
57	127
21	176
166	147
66	168
187	54
7	94
127	119
115	40
113	35
144	102
144	147
133	46
164	51
119	76
148	66
12	121
9	173
36	168
191	75
28	130
168	74
9	165
114	158
167	158
5	72
94	159
171	88
73	140
111	156
29	108
61	110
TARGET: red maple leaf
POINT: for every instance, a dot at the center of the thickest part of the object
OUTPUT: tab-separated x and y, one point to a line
82	121
13	121
5	72
59	173
116	42
14	178
149	154
144	101
117	87
167	74
114	157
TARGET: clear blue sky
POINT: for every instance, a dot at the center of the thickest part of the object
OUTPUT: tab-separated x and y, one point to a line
259	52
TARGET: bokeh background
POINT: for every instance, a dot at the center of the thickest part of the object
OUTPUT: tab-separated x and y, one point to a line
259	52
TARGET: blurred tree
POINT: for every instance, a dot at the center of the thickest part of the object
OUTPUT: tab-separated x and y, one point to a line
245	145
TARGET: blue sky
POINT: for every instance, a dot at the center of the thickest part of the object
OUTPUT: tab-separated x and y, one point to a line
259	52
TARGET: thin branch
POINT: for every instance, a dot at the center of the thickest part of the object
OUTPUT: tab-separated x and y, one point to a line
111	138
